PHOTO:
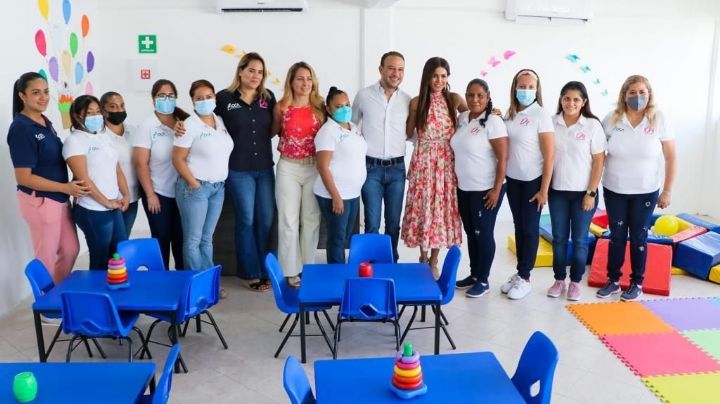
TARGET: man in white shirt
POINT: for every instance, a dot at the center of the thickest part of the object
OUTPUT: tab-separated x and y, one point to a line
381	111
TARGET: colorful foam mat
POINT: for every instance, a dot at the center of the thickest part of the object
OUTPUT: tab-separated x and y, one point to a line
618	318
699	388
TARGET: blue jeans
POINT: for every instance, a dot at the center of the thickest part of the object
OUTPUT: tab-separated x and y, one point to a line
479	224
526	219
199	211
165	226
253	197
384	182
339	227
628	212
129	217
566	213
103	230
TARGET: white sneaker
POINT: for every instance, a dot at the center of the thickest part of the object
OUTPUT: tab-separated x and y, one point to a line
520	289
505	288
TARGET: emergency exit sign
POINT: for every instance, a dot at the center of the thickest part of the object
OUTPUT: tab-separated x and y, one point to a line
147	43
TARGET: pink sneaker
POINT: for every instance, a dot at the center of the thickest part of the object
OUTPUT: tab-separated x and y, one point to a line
556	289
574	291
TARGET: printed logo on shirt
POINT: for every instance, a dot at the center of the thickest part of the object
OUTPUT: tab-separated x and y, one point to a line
92	149
263	103
343	136
524	122
232	106
618	129
649	130
39	136
580	136
158	134
205	134
475	130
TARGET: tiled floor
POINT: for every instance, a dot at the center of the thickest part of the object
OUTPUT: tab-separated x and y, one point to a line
247	372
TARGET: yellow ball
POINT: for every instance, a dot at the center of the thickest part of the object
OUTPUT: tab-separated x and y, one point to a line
667	225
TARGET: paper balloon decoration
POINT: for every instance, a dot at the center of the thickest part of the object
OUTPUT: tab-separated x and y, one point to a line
43	73
66	11
90	62
73	44
85	25
89	90
43	6
78	72
40	42
66	63
53	67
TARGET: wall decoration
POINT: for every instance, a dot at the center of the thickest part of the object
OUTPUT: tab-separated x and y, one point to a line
67	61
495	61
585	68
272	80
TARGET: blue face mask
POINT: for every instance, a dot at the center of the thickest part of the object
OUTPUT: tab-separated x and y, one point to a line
94	123
342	114
638	102
166	106
205	107
525	97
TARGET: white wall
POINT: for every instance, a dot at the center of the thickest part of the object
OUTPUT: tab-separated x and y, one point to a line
673	43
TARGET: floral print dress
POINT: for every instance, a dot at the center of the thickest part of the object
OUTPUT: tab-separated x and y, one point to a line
431	216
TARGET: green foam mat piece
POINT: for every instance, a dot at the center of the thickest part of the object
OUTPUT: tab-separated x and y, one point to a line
707	340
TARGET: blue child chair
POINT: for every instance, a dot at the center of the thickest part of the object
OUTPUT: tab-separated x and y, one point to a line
141	252
286	300
296	382
368	300
537	365
370	247
94	315
162	391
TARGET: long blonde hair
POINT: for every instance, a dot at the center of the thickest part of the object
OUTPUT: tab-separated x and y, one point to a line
514	103
316	101
621	107
262	92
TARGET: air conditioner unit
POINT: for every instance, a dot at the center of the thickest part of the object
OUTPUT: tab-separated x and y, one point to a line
549	11
260	6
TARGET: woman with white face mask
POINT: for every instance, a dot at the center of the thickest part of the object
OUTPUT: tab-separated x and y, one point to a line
638	138
93	159
201	160
530	166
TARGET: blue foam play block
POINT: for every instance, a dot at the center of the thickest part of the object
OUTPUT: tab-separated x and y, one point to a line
698	254
700	222
546	233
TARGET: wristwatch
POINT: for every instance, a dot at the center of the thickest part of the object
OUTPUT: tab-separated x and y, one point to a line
590	193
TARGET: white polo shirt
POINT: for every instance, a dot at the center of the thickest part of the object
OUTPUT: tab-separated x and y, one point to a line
158	138
382	121
209	148
347	164
102	160
123	146
475	161
574	148
634	162
525	159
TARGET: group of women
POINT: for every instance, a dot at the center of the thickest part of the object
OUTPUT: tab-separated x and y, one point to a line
466	158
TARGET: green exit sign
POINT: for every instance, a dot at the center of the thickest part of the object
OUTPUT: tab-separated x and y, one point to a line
147	43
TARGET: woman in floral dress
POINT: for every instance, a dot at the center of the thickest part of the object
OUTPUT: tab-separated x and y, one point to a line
431	218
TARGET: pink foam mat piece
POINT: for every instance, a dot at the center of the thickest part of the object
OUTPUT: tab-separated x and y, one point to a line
660	354
687	314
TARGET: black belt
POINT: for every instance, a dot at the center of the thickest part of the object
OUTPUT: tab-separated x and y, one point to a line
384	163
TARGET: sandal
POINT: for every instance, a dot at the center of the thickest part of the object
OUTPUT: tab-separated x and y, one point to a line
256	285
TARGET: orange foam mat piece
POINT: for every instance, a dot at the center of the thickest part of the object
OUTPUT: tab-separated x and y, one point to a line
618	318
686	389
660	354
657	269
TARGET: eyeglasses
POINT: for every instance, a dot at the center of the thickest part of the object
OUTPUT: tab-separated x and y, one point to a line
165	97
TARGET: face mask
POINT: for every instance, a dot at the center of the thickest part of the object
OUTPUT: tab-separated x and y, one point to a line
342	114
165	106
637	102
116	118
94	123
525	97
205	107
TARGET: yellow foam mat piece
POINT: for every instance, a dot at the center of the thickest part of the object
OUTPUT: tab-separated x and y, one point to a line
677	271
596	230
685	389
714	275
544	255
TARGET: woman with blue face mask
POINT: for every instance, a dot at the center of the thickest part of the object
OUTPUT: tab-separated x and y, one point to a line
638	138
530	165
152	157
340	155
201	157
93	159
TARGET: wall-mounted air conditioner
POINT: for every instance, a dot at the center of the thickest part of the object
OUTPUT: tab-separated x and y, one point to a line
260	6
549	11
